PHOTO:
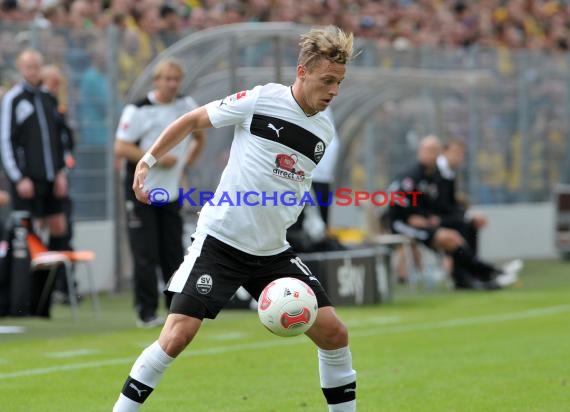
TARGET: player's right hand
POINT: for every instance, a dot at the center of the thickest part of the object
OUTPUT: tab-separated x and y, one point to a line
141	172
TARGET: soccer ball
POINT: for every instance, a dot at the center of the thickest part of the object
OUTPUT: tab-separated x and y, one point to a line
287	307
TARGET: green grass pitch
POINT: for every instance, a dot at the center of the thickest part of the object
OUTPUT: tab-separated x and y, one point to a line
437	350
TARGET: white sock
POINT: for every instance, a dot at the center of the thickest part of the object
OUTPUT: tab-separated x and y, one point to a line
338	379
145	375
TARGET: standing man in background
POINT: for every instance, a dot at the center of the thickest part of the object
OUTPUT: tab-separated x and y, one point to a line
33	150
155	231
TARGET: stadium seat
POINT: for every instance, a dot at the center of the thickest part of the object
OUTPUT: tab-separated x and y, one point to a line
45	260
42	258
425	270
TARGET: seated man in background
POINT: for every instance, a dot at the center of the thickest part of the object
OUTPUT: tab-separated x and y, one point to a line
417	217
453	211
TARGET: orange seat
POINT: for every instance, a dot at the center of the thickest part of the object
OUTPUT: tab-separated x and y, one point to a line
43	258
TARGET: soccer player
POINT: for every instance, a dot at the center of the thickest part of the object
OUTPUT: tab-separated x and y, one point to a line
280	134
155	232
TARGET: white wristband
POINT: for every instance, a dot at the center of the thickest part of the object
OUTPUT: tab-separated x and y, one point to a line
149	159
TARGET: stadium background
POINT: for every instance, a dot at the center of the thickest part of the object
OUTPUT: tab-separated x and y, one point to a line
438	350
511	105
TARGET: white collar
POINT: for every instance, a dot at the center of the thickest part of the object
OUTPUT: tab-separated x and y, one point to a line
443	165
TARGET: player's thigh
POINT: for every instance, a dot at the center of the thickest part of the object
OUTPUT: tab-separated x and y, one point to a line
286	264
210	274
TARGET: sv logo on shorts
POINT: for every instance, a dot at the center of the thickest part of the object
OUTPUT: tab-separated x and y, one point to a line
204	284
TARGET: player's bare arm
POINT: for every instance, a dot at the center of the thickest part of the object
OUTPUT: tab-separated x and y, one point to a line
196	147
133	153
178	130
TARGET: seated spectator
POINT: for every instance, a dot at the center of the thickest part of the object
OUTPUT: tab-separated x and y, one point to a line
451	209
417	217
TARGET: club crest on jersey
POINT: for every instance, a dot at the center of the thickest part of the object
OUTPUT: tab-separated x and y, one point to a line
285	167
233	98
319	151
204	284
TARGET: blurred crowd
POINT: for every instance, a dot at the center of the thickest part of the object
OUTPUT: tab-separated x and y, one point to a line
101	46
534	24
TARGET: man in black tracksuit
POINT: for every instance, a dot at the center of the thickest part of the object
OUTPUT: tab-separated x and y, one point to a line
452	212
418	217
33	150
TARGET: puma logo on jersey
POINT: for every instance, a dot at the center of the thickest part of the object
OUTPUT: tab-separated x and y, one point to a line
139	391
270	125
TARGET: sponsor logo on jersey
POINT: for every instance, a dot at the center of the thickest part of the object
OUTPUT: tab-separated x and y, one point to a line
233	98
275	129
204	284
285	167
319	151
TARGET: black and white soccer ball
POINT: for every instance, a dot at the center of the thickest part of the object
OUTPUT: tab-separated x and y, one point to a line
287	307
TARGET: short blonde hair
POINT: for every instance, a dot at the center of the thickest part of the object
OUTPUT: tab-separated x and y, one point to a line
165	64
330	43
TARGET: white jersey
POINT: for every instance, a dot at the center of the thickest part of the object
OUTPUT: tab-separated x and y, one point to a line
276	146
142	123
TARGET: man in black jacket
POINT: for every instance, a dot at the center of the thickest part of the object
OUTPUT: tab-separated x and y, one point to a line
418	217
453	211
32	148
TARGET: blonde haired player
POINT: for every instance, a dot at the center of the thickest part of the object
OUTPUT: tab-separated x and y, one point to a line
245	245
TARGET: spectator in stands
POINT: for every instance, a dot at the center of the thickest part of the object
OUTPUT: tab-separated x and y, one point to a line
155	233
417	217
11	12
171	25
94	104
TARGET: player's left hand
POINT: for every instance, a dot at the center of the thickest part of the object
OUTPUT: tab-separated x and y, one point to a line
141	172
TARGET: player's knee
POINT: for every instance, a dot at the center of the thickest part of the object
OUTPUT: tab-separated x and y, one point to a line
175	341
177	334
447	240
335	335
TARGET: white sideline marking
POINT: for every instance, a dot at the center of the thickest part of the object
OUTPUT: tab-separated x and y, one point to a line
11	329
450	323
378	320
71	353
228	336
